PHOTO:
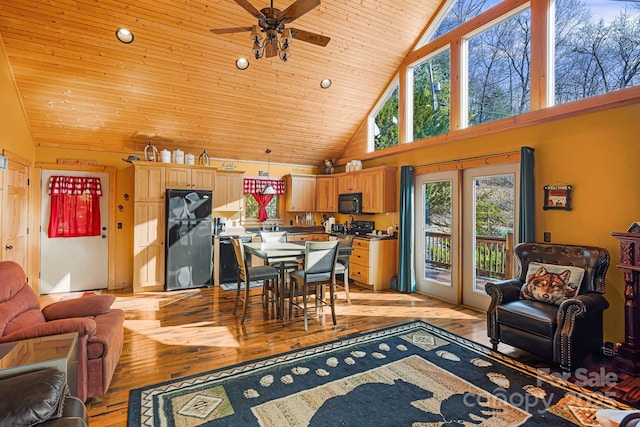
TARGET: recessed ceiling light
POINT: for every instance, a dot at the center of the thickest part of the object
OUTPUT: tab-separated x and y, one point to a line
242	63
325	83
124	35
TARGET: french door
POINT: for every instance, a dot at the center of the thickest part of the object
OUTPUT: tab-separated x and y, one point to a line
465	224
437	230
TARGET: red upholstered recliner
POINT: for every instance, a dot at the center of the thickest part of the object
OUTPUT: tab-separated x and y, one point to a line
99	327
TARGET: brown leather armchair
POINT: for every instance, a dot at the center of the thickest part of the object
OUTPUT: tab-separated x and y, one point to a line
99	327
557	332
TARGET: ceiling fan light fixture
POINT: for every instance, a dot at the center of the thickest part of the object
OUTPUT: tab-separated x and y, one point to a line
325	83
255	34
124	35
242	63
286	37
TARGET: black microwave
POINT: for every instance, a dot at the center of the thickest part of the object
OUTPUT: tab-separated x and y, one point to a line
350	203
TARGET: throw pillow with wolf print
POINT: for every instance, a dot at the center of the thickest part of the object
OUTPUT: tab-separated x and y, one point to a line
551	283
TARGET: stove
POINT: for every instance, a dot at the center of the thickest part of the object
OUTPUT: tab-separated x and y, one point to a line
360	228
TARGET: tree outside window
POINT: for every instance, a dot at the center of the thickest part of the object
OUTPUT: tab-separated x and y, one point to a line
251	207
431	96
386	122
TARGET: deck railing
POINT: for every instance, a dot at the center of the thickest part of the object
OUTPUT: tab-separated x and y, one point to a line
493	254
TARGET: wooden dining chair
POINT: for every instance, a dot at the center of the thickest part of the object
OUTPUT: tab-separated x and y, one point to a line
319	270
285	265
267	274
342	266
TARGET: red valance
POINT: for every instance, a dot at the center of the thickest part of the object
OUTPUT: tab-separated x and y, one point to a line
75	185
255	186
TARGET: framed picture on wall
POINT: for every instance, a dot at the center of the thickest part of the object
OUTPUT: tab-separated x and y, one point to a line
557	197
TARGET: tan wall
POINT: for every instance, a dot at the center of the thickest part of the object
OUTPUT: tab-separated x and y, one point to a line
597	154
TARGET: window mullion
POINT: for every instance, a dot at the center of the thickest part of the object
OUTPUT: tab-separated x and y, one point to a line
459	85
541	54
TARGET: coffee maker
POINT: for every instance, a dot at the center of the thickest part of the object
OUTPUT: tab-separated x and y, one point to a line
219	225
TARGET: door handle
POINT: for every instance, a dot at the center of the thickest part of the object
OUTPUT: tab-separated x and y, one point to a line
9	247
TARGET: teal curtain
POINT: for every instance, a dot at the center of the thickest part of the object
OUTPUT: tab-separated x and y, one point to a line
406	269
527	208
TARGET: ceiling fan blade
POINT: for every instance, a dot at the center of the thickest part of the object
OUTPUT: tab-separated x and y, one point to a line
251	9
297	9
308	37
230	30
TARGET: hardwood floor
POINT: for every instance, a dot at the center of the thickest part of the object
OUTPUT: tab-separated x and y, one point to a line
174	334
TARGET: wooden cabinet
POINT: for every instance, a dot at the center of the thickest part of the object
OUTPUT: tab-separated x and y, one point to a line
148	246
374	262
350	183
149	183
311	237
326	194
229	194
190	177
300	193
379	190
377	185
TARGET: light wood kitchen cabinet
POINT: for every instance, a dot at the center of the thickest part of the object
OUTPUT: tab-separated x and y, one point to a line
148	250
311	237
374	262
149	183
300	193
326	194
229	194
379	190
190	177
350	182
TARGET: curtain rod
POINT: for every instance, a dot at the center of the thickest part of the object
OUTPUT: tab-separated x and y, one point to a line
467	159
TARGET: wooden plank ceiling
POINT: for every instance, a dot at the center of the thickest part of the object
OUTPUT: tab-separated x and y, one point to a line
177	86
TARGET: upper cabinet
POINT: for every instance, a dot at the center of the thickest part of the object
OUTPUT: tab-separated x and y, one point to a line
190	177
379	190
349	183
229	194
377	185
326	194
300	193
149	183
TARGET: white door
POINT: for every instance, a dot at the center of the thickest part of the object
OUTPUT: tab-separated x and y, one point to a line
72	264
437	225
489	216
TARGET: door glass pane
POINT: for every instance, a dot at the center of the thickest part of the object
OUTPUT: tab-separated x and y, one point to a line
437	240
494	207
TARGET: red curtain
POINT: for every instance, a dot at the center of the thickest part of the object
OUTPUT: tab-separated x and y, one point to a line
75	206
263	200
256	186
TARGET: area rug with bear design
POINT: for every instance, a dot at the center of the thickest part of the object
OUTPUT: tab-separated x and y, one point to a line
412	374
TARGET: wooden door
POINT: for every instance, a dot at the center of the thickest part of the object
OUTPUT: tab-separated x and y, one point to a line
148	251
15	212
178	178
372	197
202	179
326	195
149	183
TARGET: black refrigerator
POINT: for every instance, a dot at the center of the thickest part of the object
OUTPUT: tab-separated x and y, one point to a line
188	248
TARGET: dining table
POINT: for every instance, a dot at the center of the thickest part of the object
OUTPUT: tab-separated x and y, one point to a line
275	253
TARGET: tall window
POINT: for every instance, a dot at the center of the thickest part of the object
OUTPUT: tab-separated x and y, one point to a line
431	95
597	48
385	122
498	74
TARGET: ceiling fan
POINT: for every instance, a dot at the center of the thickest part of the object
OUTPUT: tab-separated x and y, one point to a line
271	21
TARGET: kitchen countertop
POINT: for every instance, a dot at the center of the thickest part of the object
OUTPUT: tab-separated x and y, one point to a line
292	229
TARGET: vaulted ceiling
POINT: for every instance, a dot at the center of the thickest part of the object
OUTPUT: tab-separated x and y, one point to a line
177	85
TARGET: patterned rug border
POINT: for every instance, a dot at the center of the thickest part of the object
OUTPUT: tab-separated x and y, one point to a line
146	394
